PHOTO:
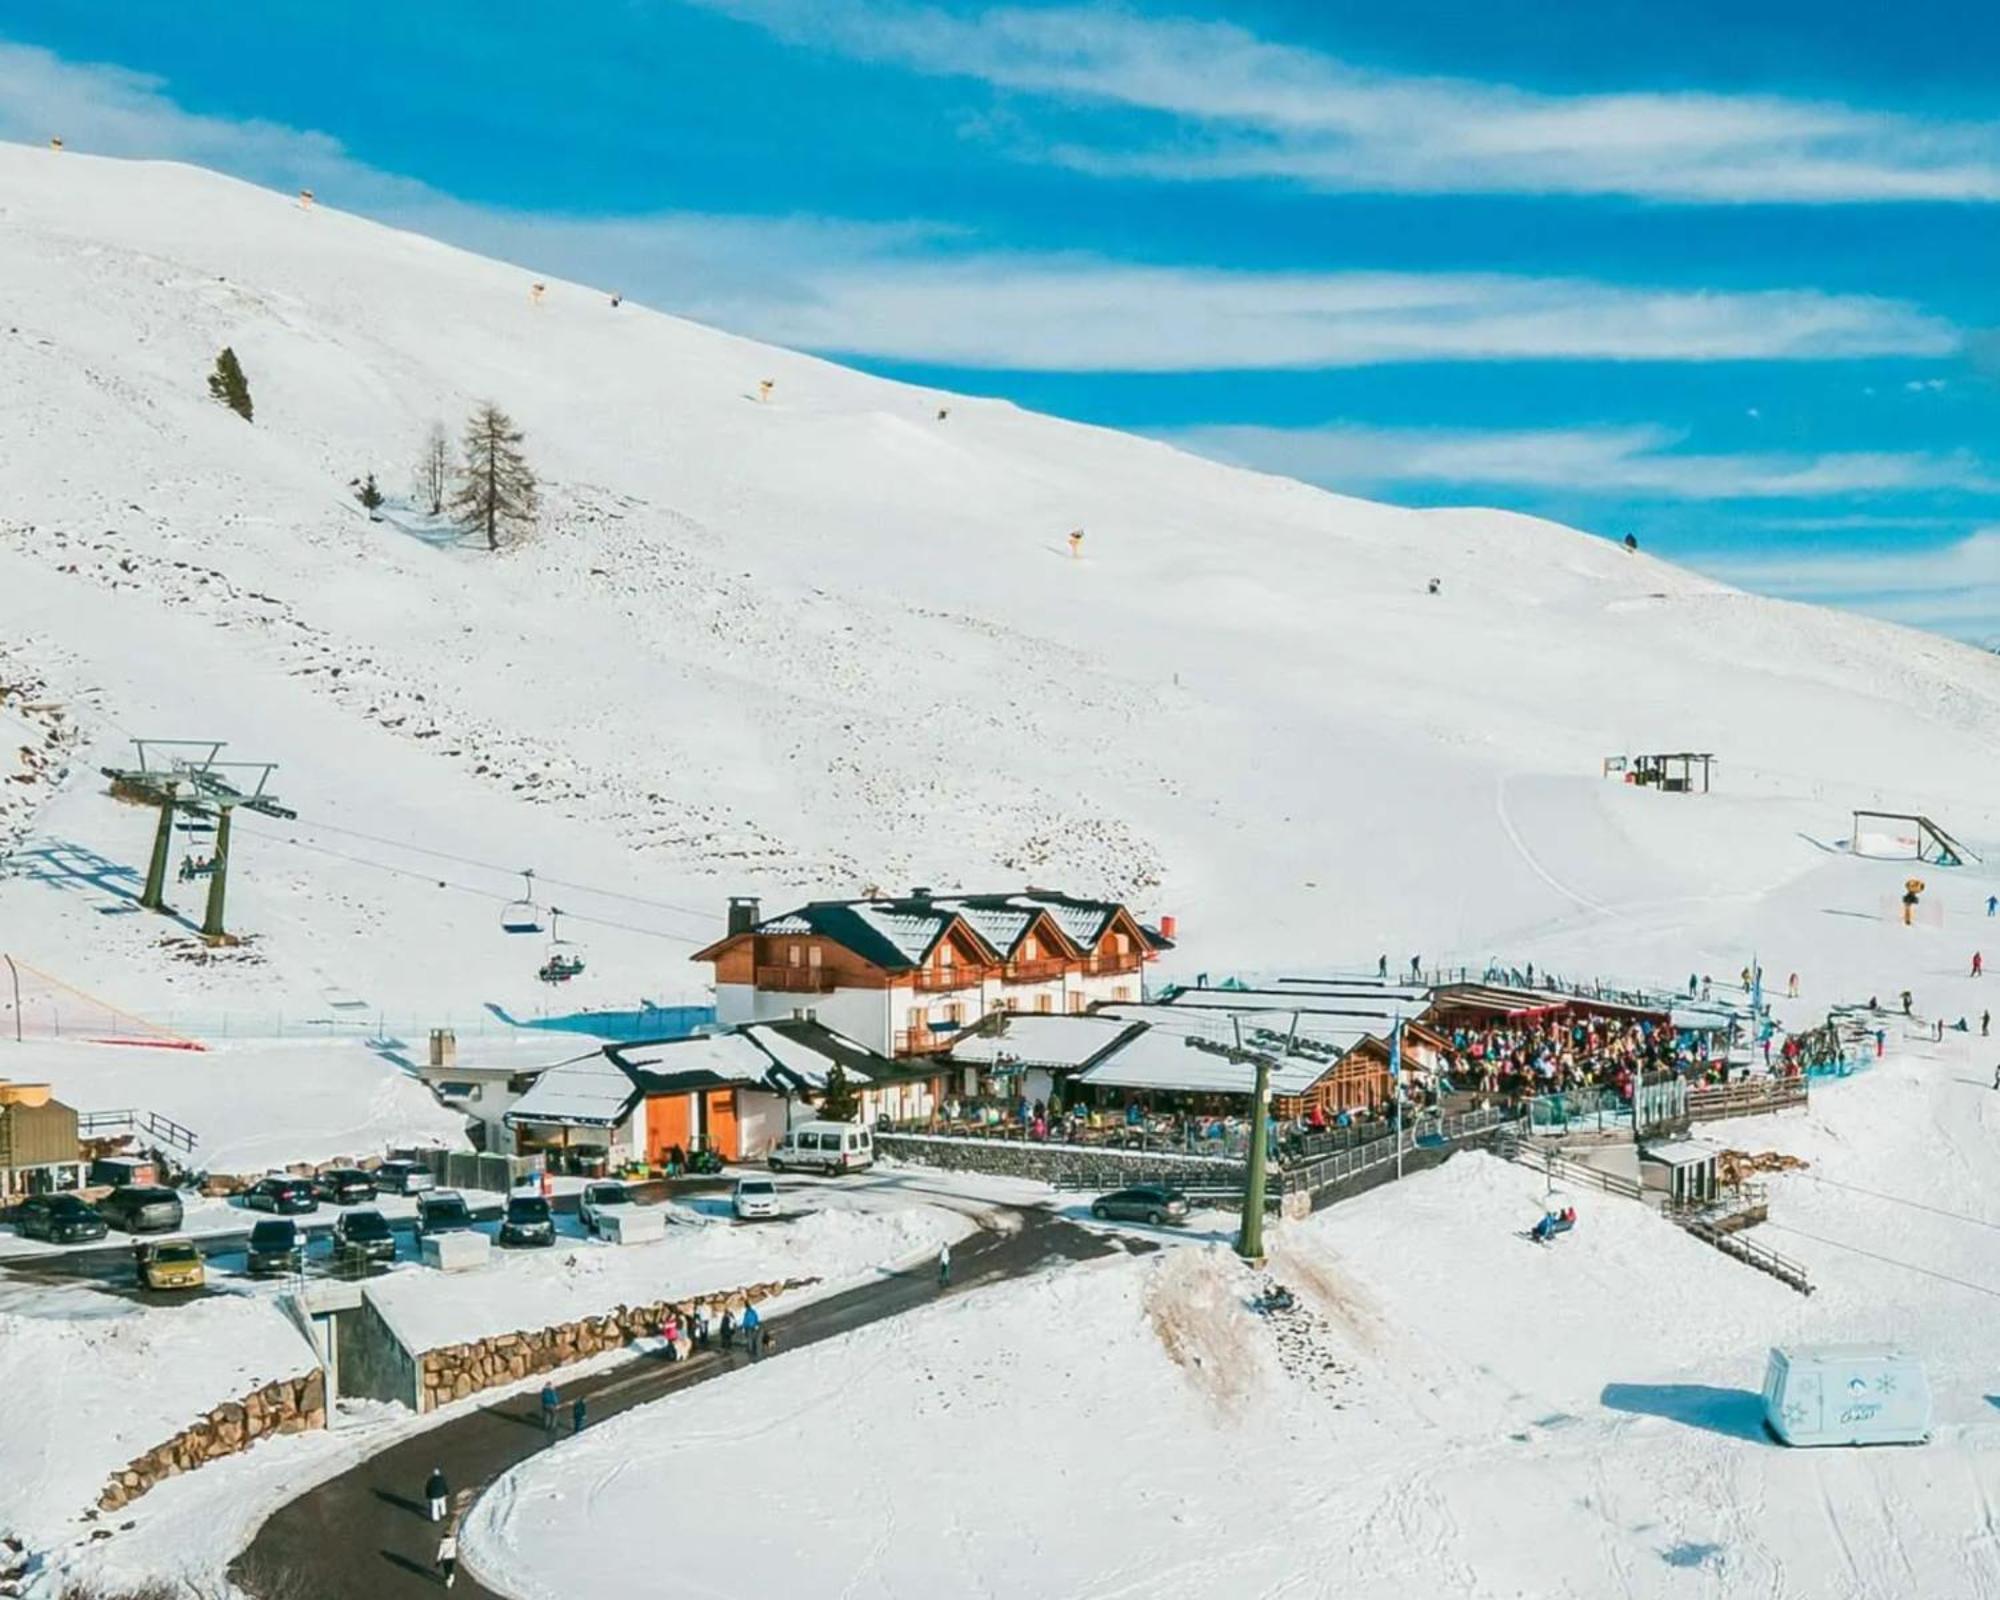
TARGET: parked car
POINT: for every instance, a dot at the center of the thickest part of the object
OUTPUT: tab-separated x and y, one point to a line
364	1232
141	1208
599	1198
344	1186
275	1247
754	1197
442	1211
404	1177
58	1218
824	1147
171	1264
1145	1202
529	1221
285	1195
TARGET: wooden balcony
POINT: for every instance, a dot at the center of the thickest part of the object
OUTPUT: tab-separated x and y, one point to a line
1110	966
1043	970
796	980
924	1042
944	978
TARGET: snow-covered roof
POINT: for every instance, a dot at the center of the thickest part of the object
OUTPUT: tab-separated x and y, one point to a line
730	1057
1341	1029
1034	1040
591	1092
1161	1058
1678	1153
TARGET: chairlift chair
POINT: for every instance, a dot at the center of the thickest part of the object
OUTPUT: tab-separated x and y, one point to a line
565	959
523	915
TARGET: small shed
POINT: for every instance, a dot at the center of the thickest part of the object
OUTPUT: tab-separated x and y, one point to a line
1682	1171
1673	771
1846	1394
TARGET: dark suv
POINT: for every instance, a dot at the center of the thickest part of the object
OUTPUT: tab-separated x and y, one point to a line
442	1211
58	1218
529	1221
141	1208
344	1186
288	1197
365	1232
275	1247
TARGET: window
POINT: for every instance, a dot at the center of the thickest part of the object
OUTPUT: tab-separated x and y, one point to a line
944	956
1028	949
1043	1003
813	957
792	953
1076	1002
1121	945
1011	1003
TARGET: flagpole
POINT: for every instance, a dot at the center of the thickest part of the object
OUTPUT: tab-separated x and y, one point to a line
1396	1081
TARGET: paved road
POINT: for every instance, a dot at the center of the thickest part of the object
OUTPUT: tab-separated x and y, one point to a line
363	1535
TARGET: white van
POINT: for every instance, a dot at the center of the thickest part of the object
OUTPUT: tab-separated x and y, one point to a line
824	1147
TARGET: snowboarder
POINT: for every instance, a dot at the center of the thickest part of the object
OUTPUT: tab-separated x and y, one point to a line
437	1492
447	1558
1992	904
1632	543
1978	963
550	1416
1435	584
944	1265
579	1414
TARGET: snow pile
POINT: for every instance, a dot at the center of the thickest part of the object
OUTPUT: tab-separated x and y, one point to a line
528	1289
88	1381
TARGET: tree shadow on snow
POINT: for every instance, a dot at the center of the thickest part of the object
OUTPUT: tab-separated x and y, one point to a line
1734	1413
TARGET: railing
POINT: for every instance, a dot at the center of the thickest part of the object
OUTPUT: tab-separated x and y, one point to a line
1557	1166
934	978
1747	1099
922	1041
1751	1254
1110	966
147	1124
805	980
1038	971
1426	1133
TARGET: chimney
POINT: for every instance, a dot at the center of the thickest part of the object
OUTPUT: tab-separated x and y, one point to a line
743	914
444	1049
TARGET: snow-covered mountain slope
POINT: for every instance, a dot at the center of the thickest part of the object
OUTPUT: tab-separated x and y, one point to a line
826	641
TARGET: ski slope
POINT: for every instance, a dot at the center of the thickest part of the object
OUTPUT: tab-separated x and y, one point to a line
828	641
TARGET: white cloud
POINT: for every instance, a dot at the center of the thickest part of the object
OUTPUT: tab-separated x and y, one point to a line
1949	588
1244	107
1635	462
918	292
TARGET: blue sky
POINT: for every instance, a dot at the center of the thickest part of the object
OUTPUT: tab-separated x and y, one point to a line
1722	275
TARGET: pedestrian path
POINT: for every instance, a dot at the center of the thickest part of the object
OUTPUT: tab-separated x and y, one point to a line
367	1535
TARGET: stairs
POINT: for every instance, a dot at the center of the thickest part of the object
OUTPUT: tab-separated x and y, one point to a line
1749	1252
164	1132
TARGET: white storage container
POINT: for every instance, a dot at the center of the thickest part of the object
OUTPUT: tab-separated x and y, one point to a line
1846	1394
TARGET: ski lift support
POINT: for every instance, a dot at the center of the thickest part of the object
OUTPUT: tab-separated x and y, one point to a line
188	775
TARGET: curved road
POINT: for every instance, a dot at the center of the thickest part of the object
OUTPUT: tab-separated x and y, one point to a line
365	1536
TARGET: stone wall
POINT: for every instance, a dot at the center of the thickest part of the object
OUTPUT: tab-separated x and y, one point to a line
1065	1165
290	1405
453	1371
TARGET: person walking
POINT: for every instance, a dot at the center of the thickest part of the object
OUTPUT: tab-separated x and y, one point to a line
1906	1004
1996	1077
447	1558
753	1332
1985	1024
1978	963
579	1414
551	1401
1382	966
728	1329
944	1265
1992	904
1792	986
437	1492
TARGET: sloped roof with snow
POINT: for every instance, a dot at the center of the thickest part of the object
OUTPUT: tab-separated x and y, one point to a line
1162	1058
591	1092
1034	1040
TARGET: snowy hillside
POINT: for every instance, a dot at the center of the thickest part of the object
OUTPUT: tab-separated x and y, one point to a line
826	641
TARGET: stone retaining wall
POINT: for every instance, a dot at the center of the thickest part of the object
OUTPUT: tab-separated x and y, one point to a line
453	1371
1060	1164
290	1405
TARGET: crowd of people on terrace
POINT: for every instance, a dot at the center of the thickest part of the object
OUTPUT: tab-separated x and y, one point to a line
1520	1058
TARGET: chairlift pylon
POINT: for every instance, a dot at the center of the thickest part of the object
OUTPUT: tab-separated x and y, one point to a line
523	915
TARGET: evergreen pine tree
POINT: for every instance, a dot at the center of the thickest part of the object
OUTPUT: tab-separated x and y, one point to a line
433	474
369	496
227	383
496	488
838	1101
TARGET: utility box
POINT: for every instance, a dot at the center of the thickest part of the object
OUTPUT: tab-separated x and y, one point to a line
633	1224
460	1250
1846	1394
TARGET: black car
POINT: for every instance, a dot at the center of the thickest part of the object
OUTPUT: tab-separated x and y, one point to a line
442	1211
286	1196
404	1177
344	1186
529	1221
58	1218
141	1208
364	1233
275	1247
1144	1202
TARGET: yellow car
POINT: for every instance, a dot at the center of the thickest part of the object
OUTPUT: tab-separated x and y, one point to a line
172	1264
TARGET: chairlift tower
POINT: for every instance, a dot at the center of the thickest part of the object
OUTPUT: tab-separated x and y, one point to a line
189	776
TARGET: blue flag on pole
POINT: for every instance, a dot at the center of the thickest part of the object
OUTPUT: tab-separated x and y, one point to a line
1396	1049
